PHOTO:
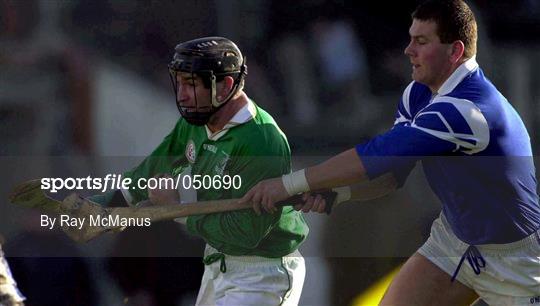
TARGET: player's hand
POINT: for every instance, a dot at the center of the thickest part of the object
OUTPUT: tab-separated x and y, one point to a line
163	196
311	203
265	194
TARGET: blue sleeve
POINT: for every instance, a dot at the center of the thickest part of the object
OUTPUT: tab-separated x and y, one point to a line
397	151
403	114
439	129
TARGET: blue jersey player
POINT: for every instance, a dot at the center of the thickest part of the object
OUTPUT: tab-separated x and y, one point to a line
477	157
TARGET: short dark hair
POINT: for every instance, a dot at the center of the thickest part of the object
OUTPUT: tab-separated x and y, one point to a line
454	19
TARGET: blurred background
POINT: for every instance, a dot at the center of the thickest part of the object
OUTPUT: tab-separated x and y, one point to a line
84	89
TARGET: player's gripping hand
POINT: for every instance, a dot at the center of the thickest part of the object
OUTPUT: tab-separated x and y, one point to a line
265	194
164	196
312	203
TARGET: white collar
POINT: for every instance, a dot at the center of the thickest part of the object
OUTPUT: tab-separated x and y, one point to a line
246	113
457	76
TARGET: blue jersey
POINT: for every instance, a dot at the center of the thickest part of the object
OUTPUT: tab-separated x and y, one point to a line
475	151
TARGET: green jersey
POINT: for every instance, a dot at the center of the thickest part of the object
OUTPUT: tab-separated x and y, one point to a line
249	149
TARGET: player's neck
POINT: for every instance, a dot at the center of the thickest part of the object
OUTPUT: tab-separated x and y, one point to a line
435	88
225	114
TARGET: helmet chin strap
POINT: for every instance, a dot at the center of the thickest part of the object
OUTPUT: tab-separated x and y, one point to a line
203	118
233	91
215	102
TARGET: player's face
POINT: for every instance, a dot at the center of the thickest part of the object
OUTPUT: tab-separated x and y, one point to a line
429	57
191	93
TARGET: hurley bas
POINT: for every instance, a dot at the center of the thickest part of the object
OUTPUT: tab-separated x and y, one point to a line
93	220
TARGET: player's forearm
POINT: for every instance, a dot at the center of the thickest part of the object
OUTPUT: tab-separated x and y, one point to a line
343	169
373	189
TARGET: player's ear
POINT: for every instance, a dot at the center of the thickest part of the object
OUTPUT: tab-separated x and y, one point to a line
456	51
228	83
224	87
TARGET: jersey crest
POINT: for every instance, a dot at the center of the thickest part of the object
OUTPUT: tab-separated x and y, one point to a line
191	154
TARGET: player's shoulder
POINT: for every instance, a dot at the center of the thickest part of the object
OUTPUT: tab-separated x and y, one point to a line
414	97
470	96
264	123
456	115
261	133
262	117
455	120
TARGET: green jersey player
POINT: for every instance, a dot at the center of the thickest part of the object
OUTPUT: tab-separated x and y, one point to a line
225	136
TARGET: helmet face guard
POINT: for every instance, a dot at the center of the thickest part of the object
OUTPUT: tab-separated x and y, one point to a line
211	59
201	111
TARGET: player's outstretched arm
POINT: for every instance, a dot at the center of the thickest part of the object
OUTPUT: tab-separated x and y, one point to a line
360	192
343	169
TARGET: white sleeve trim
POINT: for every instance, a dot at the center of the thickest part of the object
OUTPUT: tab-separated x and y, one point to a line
406	99
401	119
474	118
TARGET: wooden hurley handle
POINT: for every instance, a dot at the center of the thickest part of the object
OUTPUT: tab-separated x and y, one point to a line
145	209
